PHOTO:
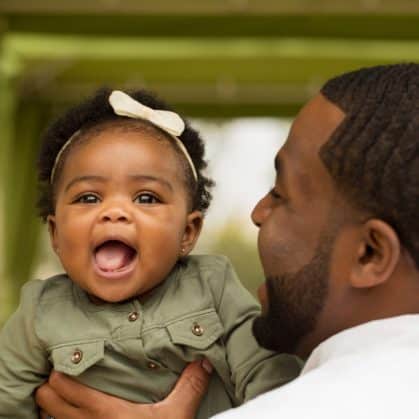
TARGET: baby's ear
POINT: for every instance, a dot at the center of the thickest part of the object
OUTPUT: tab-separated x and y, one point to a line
192	231
52	230
377	256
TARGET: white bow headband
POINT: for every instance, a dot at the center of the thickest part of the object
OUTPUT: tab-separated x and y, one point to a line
124	105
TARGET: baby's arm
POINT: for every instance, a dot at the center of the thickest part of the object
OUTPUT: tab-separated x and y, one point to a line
254	370
23	361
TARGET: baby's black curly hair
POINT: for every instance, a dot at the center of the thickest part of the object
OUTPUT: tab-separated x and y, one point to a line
373	155
95	115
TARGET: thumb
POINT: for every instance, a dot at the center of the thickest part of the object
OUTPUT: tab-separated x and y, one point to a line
186	397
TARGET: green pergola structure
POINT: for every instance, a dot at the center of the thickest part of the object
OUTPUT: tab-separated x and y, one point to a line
214	58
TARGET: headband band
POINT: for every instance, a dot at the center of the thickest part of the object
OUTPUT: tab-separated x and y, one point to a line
124	105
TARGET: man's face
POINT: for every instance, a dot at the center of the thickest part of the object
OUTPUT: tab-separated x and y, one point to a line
298	221
294	301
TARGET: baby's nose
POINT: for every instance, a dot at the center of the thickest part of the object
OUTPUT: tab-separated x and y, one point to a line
115	214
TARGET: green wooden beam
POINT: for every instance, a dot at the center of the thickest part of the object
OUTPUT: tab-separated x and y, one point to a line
320	18
43	47
51	61
234	73
352	26
210	7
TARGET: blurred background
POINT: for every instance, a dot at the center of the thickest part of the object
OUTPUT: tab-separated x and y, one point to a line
239	69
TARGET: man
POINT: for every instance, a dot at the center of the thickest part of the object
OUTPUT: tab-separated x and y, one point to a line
339	244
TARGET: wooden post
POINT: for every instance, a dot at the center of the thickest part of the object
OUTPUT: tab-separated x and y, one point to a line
8	72
23	224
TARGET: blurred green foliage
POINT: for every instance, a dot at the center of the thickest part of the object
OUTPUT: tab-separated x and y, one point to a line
233	242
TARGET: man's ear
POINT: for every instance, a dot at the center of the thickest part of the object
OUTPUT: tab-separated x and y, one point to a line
378	253
52	230
192	230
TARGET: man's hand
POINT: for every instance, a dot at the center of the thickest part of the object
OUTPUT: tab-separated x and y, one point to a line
64	398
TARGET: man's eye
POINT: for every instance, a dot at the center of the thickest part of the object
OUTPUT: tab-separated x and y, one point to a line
274	194
146	198
87	199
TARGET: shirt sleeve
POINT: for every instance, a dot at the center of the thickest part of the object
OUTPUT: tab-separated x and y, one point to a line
23	360
254	370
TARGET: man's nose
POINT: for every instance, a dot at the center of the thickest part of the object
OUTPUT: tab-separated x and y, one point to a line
116	213
260	212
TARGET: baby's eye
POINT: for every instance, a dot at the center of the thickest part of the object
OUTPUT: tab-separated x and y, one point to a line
87	198
146	198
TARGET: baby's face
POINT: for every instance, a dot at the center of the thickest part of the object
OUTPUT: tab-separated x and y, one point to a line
121	217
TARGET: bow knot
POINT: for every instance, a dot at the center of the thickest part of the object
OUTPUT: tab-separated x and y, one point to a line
125	105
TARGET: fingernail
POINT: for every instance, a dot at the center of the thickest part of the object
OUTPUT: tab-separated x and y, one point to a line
206	365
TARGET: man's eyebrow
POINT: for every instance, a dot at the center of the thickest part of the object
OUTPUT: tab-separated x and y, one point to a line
277	164
280	172
85	178
150	178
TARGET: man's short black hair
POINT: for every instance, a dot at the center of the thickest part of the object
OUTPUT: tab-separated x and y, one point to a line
373	156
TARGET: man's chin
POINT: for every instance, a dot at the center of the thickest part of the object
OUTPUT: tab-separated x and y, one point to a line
265	334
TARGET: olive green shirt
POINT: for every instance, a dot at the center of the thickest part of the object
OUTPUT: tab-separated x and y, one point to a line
136	350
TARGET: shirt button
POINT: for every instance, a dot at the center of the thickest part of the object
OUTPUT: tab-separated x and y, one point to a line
77	356
152	366
132	317
197	329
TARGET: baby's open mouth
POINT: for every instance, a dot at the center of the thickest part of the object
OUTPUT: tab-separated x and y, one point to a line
114	255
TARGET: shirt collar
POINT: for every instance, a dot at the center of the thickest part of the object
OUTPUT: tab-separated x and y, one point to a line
377	333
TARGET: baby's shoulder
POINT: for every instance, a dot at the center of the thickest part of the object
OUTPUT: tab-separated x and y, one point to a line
211	270
208	274
193	291
44	290
210	264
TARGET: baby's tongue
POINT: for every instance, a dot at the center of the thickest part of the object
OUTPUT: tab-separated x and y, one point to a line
113	255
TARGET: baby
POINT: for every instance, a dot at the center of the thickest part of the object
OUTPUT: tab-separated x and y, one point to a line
123	193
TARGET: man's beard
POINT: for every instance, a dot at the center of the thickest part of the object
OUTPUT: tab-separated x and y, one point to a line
294	302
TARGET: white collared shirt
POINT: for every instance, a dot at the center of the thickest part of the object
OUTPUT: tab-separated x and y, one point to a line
369	371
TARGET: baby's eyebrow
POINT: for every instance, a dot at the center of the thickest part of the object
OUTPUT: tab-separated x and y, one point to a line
103	179
150	178
85	178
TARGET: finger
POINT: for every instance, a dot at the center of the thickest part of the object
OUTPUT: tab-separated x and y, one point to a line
73	392
44	415
49	401
190	388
